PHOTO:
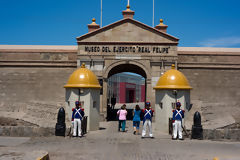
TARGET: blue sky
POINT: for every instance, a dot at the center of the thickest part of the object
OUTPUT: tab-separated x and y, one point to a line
197	23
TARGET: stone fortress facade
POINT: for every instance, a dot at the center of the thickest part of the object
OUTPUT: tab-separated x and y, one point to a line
32	77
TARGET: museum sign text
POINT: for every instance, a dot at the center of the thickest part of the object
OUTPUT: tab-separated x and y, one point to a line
127	49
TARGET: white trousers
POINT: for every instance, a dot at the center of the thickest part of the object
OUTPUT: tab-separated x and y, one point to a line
177	129
77	124
149	124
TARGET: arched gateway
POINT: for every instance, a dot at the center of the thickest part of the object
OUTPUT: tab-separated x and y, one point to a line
127	46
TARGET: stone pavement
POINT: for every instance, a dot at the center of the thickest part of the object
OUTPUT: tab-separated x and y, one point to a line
109	144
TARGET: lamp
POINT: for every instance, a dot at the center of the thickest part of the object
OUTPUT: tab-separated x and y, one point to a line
174	92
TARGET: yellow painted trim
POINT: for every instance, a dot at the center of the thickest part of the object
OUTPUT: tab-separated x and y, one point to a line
172	87
81	86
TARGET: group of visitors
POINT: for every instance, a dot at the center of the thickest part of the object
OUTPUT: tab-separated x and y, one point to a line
147	119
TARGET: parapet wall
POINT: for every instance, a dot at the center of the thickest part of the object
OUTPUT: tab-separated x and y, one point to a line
38	56
214	58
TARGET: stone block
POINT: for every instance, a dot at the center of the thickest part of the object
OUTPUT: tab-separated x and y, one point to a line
234	134
1	131
13	131
211	134
227	134
6	131
28	131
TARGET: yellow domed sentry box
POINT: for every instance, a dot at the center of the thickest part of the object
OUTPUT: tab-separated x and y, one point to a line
172	79
171	87
83	86
82	78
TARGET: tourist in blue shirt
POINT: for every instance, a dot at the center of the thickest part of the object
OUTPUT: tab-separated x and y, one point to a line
136	119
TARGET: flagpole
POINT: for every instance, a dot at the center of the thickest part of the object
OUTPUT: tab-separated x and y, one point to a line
153	15
101	15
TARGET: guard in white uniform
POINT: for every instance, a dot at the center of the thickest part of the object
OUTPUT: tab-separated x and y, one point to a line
178	115
77	117
147	120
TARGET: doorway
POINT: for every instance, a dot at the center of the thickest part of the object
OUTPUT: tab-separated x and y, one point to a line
127	83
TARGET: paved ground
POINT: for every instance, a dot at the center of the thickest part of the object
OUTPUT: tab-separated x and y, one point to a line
109	144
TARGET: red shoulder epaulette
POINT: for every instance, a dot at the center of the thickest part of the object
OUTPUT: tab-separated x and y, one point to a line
73	109
143	110
173	110
152	110
183	111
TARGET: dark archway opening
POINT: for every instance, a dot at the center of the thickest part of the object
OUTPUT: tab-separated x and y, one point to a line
127	68
126	85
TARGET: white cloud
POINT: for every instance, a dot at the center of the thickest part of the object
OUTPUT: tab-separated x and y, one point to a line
221	42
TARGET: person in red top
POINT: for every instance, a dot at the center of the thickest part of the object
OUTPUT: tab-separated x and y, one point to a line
122	113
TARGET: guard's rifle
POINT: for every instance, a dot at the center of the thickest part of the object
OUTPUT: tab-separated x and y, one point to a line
70	133
185	131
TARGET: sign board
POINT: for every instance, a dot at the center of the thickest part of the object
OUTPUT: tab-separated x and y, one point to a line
136	49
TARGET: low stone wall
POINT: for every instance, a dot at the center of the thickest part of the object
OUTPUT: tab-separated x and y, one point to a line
217	134
26	131
222	134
